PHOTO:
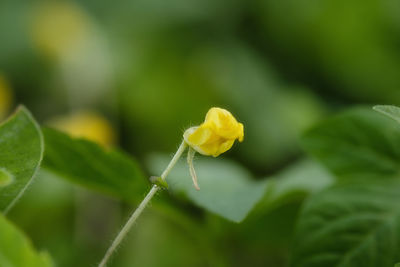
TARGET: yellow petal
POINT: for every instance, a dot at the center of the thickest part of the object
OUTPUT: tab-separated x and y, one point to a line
225	146
199	136
217	134
240	132
222	123
210	149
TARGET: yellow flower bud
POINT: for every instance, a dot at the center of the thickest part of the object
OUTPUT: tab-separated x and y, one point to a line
216	134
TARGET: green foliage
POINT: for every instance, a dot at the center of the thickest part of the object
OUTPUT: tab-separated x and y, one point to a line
16	250
351	225
295	183
226	189
266	234
154	68
86	163
21	151
390	111
151	245
358	142
356	54
5	178
356	222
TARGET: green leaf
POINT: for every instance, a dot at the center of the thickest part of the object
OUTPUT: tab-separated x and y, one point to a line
295	182
5	178
16	250
390	111
21	152
350	225
86	163
226	189
358	142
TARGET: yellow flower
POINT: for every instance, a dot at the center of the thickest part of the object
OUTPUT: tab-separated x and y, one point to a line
216	135
86	124
59	27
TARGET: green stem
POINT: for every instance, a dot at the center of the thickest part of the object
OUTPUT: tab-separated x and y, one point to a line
121	235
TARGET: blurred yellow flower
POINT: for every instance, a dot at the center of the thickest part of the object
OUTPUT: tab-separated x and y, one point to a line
5	97
59	26
216	135
88	125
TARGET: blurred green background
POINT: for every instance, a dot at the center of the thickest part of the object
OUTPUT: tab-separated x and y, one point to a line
135	74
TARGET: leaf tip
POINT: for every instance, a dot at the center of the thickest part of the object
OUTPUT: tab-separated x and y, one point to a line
377	107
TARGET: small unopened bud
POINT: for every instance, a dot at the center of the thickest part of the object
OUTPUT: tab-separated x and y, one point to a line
157	180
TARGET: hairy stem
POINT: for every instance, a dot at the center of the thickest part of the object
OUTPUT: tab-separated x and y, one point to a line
190	157
121	235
